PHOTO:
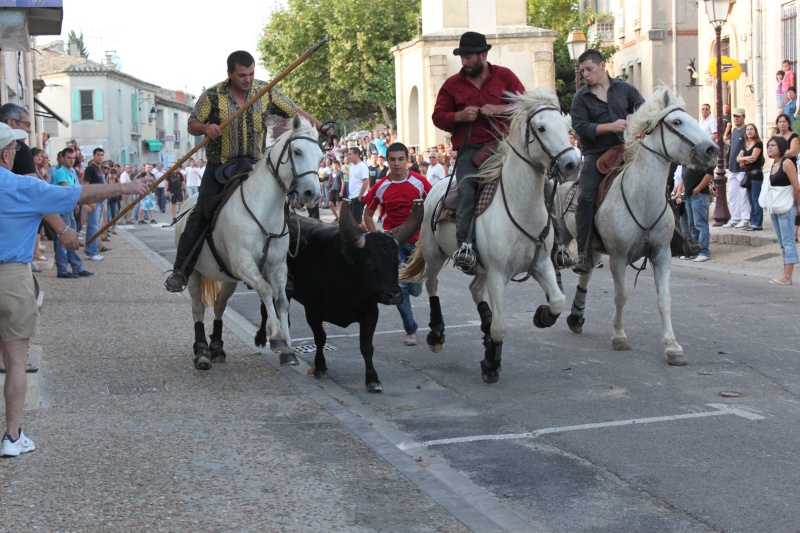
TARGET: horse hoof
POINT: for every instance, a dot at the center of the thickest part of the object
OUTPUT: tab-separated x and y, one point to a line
217	353
435	348
489	374
621	345
575	323
320	374
677	359
435	338
261	339
202	357
375	387
543	318
289	359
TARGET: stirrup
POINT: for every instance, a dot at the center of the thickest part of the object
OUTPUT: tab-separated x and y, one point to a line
564	258
465	259
582	265
176	282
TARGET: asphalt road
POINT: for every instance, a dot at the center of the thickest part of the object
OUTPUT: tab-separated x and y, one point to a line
575	436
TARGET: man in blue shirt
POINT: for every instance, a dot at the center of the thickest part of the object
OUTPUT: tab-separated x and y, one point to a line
66	176
791	106
24	201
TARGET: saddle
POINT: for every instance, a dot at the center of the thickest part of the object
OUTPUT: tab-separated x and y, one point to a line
446	208
233	168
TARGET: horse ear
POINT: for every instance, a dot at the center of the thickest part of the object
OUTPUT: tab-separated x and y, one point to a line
297	121
666	98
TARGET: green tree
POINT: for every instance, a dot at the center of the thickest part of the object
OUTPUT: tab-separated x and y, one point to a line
352	77
562	16
81	48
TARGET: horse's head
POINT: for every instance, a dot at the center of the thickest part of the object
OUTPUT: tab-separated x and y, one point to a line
543	132
661	126
294	160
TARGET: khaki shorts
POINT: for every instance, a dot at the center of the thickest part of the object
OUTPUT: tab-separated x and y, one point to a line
18	309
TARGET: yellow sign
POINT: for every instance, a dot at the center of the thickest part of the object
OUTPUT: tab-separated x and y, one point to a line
731	69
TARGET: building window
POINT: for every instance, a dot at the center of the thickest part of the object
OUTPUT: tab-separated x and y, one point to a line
789	37
87	105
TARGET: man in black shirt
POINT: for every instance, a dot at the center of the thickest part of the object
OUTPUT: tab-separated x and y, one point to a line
94	175
695	183
599	114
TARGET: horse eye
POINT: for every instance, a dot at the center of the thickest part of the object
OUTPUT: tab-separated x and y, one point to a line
541	129
297	152
677	122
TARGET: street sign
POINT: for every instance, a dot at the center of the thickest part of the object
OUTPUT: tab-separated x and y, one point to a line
731	69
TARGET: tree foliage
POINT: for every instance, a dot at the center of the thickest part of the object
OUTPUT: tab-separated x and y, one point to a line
562	16
81	48
352	77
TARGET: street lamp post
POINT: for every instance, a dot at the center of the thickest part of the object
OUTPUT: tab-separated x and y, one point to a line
717	11
576	45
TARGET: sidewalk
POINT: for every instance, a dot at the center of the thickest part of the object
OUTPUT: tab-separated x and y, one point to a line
130	437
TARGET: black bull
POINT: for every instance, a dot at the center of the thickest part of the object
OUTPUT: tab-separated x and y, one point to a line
340	275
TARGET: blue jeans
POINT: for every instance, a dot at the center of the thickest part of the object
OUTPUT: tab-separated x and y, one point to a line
756	213
113	210
192	189
784	229
409	324
697	209
92	225
64	257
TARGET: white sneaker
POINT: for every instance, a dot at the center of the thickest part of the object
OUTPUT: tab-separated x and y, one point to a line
686	257
742	224
410	340
701	259
97	257
12	449
731	223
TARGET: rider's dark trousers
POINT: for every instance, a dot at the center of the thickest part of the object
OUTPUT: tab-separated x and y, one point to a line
590	180
197	222
467	190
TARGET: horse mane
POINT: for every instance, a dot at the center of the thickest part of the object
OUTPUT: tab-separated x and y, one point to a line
522	105
647	116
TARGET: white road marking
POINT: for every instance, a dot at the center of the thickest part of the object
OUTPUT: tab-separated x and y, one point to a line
721	409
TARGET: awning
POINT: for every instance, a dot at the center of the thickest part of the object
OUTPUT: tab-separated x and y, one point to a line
154	146
49	112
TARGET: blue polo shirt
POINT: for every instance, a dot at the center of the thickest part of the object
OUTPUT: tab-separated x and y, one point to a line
23	202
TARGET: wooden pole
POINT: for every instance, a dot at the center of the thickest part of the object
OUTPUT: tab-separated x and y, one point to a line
222	126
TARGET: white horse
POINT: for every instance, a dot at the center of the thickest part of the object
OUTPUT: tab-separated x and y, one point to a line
634	220
512	235
251	238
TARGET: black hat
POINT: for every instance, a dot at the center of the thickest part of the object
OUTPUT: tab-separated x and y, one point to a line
472	43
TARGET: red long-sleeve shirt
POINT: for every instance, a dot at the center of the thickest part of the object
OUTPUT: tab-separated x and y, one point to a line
458	93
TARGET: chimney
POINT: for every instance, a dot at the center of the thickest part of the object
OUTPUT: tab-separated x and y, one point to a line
180	96
74	48
110	62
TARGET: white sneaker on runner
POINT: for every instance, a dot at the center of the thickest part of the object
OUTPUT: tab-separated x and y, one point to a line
13	448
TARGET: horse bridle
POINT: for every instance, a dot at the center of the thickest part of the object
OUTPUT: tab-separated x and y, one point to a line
552	172
276	168
670	127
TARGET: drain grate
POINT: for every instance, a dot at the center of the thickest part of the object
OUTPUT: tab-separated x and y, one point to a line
312	348
123	390
763	257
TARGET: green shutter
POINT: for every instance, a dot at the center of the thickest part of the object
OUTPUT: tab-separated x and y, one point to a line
98	104
76	106
134	109
124	157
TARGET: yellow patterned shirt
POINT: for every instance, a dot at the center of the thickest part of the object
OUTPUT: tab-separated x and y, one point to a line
246	136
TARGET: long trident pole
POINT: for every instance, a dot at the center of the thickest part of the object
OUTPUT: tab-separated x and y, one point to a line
222	126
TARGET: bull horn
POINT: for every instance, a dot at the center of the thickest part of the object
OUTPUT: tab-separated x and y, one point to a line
411	226
348	228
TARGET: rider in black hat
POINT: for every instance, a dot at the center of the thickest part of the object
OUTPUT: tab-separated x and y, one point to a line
473	107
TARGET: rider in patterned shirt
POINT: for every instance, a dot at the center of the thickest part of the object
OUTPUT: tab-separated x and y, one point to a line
245	137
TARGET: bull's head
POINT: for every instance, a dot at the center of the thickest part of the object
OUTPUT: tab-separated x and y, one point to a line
374	255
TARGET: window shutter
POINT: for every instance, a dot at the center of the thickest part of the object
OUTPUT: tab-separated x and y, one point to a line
134	109
98	104
76	106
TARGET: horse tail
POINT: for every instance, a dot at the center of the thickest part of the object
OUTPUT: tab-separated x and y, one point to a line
209	290
414	271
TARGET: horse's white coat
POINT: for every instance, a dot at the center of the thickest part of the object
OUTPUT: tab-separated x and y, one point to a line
239	240
503	250
644	179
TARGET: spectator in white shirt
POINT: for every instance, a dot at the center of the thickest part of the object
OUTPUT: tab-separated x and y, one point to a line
193	176
707	122
435	169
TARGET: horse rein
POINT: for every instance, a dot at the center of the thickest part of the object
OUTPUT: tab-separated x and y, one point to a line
552	172
276	168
